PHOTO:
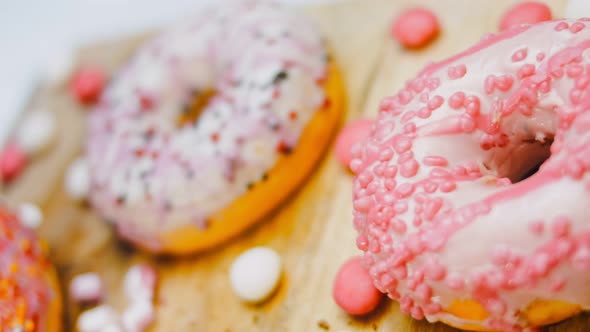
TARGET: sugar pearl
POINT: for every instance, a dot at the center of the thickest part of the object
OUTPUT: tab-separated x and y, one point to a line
140	282
36	131
13	161
97	318
30	215
353	289
87	287
138	316
60	67
77	181
255	274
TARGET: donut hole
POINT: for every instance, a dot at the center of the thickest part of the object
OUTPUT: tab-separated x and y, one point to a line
522	160
199	100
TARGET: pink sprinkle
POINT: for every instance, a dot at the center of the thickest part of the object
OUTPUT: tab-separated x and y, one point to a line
434	270
536	227
353	289
435	102
561	227
456	100
456	72
519	55
540	56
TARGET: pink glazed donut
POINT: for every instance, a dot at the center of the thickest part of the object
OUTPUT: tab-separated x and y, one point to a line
450	224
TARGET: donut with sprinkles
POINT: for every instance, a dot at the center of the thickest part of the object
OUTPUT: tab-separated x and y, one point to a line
30	299
471	194
211	125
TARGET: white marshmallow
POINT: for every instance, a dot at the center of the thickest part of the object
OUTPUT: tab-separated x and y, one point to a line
138	316
30	215
577	9
95	319
140	282
60	66
36	132
255	274
77	182
87	287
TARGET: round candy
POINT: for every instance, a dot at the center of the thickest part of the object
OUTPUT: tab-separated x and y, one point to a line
87	85
77	182
353	290
255	274
353	133
36	131
12	162
87	287
415	27
30	215
525	13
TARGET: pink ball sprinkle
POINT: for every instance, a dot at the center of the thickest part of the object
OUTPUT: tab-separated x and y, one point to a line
353	289
353	133
525	13
87	85
415	27
12	162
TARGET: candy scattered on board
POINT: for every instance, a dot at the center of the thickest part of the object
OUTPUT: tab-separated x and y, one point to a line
255	274
13	161
77	182
353	133
353	289
415	27
30	215
87	85
523	13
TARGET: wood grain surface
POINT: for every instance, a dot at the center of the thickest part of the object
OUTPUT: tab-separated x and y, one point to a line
312	231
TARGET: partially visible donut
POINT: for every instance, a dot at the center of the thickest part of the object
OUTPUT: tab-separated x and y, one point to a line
450	224
30	299
211	125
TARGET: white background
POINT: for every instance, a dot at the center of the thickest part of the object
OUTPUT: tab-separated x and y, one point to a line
34	32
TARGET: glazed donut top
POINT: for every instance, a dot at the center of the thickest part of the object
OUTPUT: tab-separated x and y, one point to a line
266	65
25	292
437	213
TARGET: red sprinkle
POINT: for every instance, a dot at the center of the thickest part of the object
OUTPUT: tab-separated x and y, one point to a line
87	85
353	289
12	162
525	13
415	27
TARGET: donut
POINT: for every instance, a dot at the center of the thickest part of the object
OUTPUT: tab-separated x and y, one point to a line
454	218
211	125
30	300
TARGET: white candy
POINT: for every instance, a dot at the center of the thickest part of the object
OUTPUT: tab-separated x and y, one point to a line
30	215
77	182
87	287
60	67
255	274
577	9
140	282
97	318
36	131
138	316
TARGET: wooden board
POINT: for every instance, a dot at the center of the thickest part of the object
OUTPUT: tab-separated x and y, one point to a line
312	231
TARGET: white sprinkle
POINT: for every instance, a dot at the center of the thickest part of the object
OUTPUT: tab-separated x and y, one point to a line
138	316
140	282
255	274
30	215
577	9
95	319
36	132
87	287
60	67
77	182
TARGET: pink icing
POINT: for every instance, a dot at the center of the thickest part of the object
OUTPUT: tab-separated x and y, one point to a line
457	220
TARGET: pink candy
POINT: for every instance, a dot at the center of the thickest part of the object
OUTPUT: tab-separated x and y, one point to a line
415	27
353	289
87	85
12	162
353	133
525	13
